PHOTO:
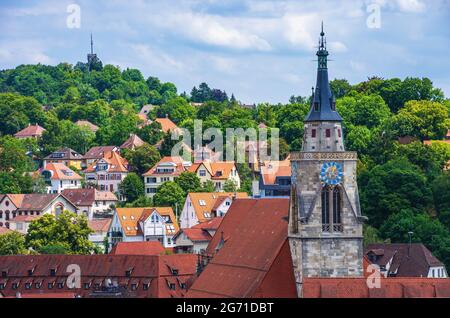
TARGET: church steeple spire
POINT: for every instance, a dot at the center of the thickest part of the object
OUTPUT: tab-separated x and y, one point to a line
323	105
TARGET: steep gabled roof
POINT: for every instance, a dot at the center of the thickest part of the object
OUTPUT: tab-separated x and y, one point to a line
87	197
133	142
88	124
175	161
271	170
255	231
30	131
100	225
64	154
204	202
36	202
116	163
60	171
155	271
166	124
98	152
412	260
129	219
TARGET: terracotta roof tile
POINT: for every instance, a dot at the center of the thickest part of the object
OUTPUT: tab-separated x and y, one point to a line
30	131
98	152
255	231
85	123
116	163
204	202
138	248
176	161
100	225
166	124
273	169
129	218
133	142
61	172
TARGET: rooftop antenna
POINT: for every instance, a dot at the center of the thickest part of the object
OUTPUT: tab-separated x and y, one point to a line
92	45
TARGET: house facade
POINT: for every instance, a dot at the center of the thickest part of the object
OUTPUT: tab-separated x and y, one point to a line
144	224
275	179
217	172
59	177
203	206
66	156
96	153
167	169
21	209
107	173
92	202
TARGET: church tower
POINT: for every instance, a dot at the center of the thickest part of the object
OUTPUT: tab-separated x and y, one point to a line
325	222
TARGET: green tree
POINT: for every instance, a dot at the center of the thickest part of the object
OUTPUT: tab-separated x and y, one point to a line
441	195
433	234
340	87
388	188
422	119
371	235
141	202
189	182
177	109
151	133
132	187
169	194
230	186
142	158
68	230
208	186
12	243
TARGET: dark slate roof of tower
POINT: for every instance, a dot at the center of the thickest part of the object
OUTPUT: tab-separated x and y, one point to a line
323	105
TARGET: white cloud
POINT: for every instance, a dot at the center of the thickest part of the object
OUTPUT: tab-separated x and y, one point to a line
337	47
148	54
224	65
23	52
297	30
415	6
214	30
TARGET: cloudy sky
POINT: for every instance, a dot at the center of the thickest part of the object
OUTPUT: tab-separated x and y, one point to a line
261	50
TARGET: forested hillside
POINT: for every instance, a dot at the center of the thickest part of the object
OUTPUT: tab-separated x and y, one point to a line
403	187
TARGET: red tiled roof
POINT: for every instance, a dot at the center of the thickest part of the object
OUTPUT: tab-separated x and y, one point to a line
85	123
61	172
143	269
100	225
212	224
389	288
25	218
98	152
36	202
30	131
116	163
64	154
197	235
133	142
138	248
255	232
408	260
273	169
4	230
166	124
176	161
87	197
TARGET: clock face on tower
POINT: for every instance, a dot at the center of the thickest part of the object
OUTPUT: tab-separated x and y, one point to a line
331	173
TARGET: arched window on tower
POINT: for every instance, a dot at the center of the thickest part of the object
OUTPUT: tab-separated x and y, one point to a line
331	209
